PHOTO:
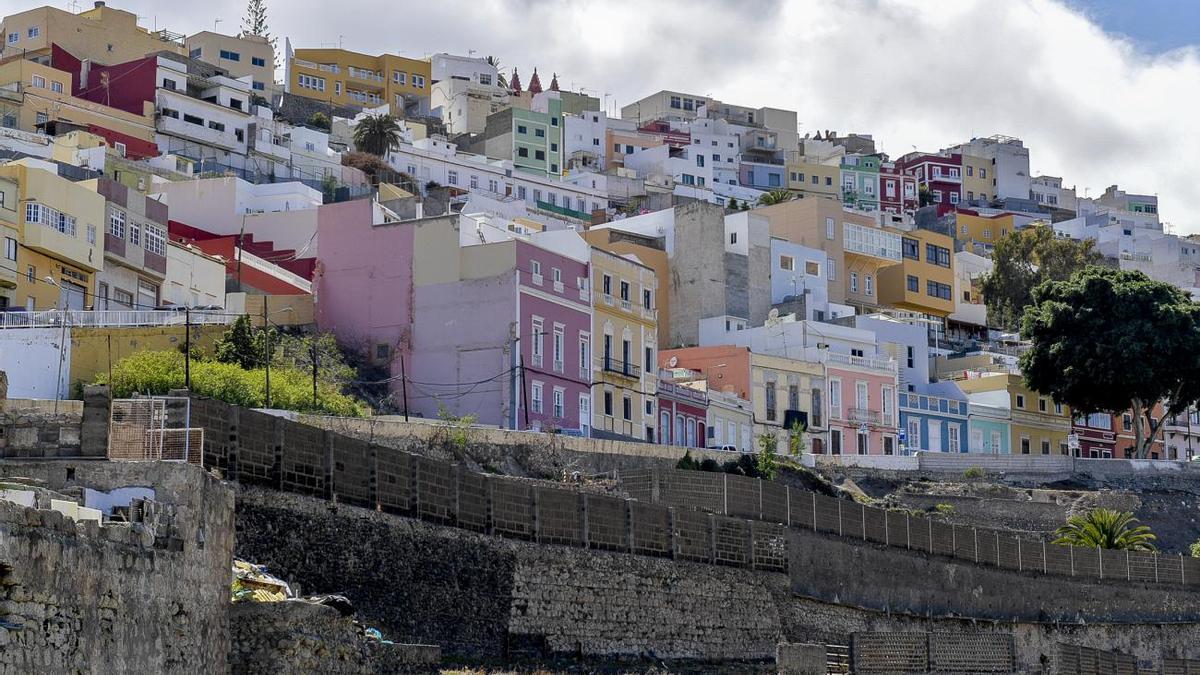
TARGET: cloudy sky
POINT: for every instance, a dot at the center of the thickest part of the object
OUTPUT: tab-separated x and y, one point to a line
1102	91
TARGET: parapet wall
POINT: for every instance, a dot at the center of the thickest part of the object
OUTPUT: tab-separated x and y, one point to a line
149	596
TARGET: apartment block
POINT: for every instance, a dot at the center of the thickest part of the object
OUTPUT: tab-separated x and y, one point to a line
135	249
102	34
241	56
345	78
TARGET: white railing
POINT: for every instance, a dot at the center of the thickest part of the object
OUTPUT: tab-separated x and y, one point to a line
626	306
274	270
114	317
861	361
585	295
558	287
537	279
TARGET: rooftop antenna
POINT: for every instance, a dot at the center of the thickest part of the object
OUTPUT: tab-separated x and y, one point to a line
470	53
74	6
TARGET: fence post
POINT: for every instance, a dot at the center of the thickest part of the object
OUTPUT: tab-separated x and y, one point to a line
583	520
672	539
1155	564
787	500
1045	564
1129	570
1072	551
998	549
760	499
975	532
908	531
953	541
327	465
887	533
840	528
277	452
725	493
489	492
232	448
458	469
712	538
1020	562
414	483
864	520
629	524
1100	561
814	510
750	546
537	513
929	522
655	486
1182	577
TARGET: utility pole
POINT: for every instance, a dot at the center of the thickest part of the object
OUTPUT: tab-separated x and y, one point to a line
512	382
404	386
267	336
524	393
314	371
187	348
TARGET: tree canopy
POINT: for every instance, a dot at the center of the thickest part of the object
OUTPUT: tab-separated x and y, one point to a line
377	134
1110	340
1106	528
1025	258
774	197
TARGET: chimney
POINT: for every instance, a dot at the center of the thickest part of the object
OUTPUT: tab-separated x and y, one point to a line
85	67
99	4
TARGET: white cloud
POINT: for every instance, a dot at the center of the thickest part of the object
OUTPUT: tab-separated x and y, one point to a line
1091	106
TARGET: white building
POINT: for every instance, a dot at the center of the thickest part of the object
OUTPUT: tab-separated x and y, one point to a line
1010	163
194	278
213	131
1123	208
464	105
469	68
969	310
585	145
438	160
1048	190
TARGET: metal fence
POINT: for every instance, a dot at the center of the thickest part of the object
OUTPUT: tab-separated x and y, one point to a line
115	317
1076	660
743	497
141	429
256	448
899	652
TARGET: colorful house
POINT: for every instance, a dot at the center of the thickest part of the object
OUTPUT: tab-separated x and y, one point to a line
683	415
897	190
941	175
345	78
923	282
860	182
1095	435
1038	424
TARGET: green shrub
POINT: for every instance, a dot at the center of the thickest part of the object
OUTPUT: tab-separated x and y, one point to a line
687	462
974	472
1196	549
711	465
158	372
749	465
944	509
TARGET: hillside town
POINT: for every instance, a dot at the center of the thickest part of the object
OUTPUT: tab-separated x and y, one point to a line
317	359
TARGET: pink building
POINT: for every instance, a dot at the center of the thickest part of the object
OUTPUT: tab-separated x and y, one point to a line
897	190
683	413
862	404
443	317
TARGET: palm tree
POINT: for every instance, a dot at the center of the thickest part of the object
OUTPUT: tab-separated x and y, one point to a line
774	197
1106	528
377	134
495	63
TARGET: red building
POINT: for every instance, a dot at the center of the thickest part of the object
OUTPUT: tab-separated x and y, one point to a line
940	174
1096	437
257	268
897	190
1127	440
682	414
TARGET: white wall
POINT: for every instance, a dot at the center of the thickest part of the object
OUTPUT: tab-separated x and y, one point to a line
193	279
30	357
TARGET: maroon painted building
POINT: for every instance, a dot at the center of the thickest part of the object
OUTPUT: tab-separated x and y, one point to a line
1096	435
682	415
940	174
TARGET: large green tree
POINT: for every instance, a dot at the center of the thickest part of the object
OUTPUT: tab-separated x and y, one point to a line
1025	258
377	134
1109	340
1106	528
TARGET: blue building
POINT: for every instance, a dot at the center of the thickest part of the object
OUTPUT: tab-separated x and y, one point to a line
933	415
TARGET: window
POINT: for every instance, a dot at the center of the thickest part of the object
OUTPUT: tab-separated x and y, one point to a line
626	408
910	352
1041	404
539	155
832	267
1058	409
539	133
399	77
787	262
39	81
953	197
854	282
536	398
33	31
116	223
983	174
258	86
937	196
1045	446
585	355
521	192
937	290
418	81
559	406
135	234
13	38
56	87
910	248
733	237
869	284
452	177
864	443
835	441
1021	401
953	430
812	269
913	287
646	299
558	348
608	403
676	102
31	273
835	398
535	334
770	401
987	233
310	82
649	359
937	255
91	233
258	61
10	248
1127	422
700	160
553	121
625	291
156	240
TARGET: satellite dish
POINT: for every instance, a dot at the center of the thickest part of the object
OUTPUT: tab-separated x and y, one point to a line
773	314
672	362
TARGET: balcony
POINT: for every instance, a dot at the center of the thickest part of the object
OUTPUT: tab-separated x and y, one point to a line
649	314
868	362
867	416
625	305
564	211
608	299
197	132
558	287
102	318
585	295
624	368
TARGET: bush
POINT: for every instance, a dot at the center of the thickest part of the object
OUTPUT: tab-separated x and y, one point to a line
944	509
687	462
974	472
158	372
711	465
319	120
1196	549
749	465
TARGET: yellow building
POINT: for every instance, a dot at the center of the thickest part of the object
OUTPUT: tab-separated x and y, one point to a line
102	35
625	244
11	232
624	347
342	77
33	94
239	55
813	179
1038	426
923	282
59	237
979	233
978	181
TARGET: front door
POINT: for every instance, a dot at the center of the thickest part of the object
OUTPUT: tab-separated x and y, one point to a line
935	436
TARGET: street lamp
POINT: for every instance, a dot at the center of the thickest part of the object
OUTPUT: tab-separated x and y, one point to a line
267	323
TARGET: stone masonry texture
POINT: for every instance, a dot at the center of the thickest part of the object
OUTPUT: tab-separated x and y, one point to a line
148	597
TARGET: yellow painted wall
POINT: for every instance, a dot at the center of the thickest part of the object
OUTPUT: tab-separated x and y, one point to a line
92	348
616	320
385	65
894	279
979	182
62	106
982	229
803	173
105	35
1028	420
653	258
